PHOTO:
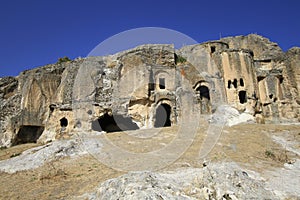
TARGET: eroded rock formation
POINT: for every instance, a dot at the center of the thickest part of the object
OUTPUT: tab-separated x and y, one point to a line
144	87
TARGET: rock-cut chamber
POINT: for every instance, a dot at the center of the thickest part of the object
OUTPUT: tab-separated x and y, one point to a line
113	123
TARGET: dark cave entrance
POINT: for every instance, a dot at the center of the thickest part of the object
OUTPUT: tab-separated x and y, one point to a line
113	123
212	49
162	116
28	134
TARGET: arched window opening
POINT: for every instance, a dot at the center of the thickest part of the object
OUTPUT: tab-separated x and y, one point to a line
242	82
162	116
229	84
151	84
234	83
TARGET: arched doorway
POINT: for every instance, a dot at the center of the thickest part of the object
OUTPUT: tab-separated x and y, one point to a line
204	92
204	98
162	115
243	96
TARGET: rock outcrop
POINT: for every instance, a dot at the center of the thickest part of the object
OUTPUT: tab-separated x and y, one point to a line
144	87
216	181
262	48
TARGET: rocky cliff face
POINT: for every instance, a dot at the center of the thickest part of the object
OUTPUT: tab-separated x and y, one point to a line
145	87
292	70
262	48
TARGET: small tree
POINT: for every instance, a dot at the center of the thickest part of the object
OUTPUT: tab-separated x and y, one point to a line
64	59
179	59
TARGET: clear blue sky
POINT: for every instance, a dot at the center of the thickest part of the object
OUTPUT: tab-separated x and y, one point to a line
35	33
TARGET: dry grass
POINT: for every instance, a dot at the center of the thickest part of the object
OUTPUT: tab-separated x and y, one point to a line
6	153
249	145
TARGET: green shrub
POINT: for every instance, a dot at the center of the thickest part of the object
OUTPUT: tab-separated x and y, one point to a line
3	147
62	60
269	154
15	155
179	59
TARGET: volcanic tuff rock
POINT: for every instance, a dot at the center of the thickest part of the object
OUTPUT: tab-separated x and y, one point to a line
216	181
263	48
147	86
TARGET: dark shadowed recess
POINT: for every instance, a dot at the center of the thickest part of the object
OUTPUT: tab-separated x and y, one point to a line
113	123
243	96
162	116
204	92
28	134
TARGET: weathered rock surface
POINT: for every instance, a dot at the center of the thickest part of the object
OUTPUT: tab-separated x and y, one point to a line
293	70
144	87
263	48
215	181
227	116
282	180
37	157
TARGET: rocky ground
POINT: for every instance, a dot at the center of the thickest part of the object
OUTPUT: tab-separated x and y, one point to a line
249	161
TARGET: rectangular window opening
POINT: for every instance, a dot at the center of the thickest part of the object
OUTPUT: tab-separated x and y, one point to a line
162	84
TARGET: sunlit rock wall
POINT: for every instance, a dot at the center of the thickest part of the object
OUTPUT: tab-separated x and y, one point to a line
137	86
